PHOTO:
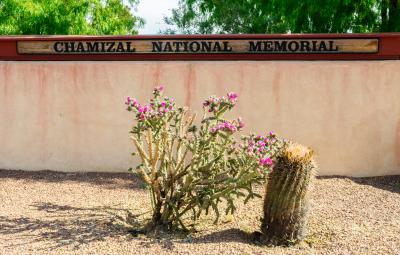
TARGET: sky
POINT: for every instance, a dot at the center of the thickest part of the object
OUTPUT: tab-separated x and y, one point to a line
153	11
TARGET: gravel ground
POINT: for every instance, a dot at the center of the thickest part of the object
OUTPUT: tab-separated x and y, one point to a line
59	213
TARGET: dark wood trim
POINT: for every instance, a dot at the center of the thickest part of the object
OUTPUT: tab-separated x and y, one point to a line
389	48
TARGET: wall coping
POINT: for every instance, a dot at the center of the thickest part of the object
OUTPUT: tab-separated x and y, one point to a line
383	46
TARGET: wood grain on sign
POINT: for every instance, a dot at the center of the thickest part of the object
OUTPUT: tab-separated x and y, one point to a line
201	46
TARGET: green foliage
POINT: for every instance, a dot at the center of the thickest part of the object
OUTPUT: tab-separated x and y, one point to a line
277	16
191	168
287	195
64	17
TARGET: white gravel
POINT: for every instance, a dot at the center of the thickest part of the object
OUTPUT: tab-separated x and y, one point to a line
58	213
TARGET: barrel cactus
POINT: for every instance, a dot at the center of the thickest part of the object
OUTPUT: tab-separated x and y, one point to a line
287	195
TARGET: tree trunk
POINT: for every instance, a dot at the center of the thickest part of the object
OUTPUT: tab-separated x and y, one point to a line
394	17
384	15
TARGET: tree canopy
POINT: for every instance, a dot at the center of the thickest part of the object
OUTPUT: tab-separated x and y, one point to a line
55	17
278	16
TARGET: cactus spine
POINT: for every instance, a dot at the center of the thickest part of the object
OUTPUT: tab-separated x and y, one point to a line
287	198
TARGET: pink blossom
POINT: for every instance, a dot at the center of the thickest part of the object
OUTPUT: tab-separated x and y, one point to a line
261	143
128	101
131	102
232	97
213	99
240	122
160	88
146	108
265	161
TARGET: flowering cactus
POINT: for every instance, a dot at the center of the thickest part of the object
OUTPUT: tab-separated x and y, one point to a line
190	168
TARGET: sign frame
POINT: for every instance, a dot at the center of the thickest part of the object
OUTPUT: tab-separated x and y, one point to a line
387	48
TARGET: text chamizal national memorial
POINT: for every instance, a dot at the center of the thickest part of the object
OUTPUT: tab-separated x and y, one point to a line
229	46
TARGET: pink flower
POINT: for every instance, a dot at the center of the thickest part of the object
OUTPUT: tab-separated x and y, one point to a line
261	143
265	161
128	101
240	122
131	102
232	96
232	128
146	108
141	116
160	88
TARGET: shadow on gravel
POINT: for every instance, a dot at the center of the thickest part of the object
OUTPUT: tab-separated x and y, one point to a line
390	182
67	225
232	235
106	180
167	241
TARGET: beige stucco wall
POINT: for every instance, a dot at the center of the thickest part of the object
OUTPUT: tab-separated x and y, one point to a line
70	116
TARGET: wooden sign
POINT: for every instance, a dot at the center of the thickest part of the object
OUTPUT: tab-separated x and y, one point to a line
200	46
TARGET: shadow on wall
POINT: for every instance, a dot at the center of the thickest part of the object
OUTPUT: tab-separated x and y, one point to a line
389	183
105	180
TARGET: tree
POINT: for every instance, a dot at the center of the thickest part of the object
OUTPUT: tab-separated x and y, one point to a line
278	16
44	17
